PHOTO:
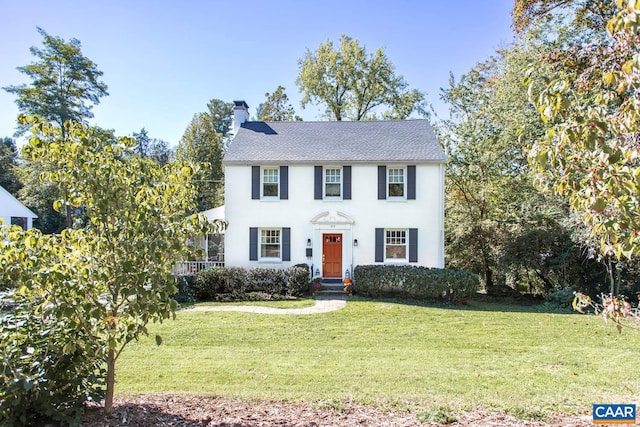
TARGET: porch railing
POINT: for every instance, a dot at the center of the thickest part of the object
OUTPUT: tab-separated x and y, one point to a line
191	268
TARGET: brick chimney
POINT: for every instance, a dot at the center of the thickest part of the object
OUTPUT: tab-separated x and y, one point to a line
240	115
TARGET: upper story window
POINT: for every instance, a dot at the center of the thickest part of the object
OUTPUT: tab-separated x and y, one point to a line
270	243
270	182
396	182
333	182
395	247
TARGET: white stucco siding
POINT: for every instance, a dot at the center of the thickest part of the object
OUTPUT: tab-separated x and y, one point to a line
354	219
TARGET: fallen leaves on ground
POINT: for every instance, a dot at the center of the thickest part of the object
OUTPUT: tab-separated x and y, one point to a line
202	411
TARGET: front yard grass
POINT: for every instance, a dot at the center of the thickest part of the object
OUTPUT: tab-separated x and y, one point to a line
504	358
292	303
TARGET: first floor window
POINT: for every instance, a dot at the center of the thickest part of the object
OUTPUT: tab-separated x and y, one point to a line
395	245
270	243
396	182
19	220
270	182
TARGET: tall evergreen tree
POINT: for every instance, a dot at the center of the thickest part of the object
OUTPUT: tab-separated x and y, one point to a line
8	163
203	143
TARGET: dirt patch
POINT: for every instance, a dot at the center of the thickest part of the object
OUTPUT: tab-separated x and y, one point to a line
192	411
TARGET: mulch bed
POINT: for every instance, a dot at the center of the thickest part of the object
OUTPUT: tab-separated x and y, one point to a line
192	411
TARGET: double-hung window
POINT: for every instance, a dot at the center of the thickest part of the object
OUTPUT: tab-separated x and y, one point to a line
395	181
270	247
270	182
333	182
269	244
395	247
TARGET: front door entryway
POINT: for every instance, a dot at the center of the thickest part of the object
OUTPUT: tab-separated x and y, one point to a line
332	255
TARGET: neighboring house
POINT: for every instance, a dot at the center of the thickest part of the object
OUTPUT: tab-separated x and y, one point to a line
13	212
333	194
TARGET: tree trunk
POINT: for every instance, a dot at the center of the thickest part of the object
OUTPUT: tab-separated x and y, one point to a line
488	279
111	382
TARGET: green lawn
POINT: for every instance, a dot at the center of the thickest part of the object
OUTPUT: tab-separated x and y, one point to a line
506	358
293	303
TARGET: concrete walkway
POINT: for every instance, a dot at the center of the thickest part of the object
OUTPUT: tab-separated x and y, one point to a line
324	304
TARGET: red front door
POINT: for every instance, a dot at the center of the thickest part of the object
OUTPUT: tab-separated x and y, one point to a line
331	255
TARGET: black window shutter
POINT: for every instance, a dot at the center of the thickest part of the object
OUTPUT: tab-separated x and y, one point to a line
253	243
255	182
284	182
382	182
346	182
317	183
286	244
411	182
413	245
379	244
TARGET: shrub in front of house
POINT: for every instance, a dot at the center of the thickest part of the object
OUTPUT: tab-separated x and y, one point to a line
415	282
185	289
219	280
236	283
269	280
297	280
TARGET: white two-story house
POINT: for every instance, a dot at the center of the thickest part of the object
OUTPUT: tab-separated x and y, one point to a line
333	195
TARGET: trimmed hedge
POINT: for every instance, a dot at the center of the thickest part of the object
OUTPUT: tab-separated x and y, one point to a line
415	282
229	283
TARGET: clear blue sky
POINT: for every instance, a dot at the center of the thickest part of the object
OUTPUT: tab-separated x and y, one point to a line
163	60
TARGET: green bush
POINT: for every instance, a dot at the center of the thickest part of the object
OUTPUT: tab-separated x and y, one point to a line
46	376
562	298
269	280
415	282
185	289
219	280
234	283
297	280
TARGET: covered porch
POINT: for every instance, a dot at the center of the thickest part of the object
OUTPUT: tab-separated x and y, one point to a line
211	247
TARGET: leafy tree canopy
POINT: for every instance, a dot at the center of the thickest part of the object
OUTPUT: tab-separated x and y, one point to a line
64	83
354	84
110	278
587	14
590	154
203	143
277	108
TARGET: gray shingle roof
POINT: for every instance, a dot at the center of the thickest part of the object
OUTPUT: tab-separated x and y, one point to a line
356	142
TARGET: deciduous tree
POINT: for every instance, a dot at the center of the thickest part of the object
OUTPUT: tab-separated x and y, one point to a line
115	275
590	154
65	84
355	85
588	14
276	107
